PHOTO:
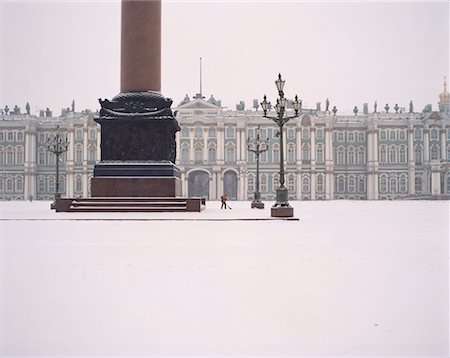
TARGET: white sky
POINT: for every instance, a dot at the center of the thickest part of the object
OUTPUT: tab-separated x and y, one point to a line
355	52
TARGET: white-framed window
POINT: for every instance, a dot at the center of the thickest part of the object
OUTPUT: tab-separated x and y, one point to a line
2	155
402	184
340	156
51	158
305	152
2	137
305	133
340	184
351	155
41	184
340	136
230	132
361	137
448	152
319	153
198	154
185	132
402	135
78	154
392	135
9	155
383	184
212	132
19	155
51	184
41	138
434	133
275	181
263	183
305	185
19	184
393	154
79	134
185	154
291	153
319	133
9	185
230	154
10	136
362	184
418	184
351	184
448	184
393	184
351	136
212	154
418	133
362	156
92	133
383	154
19	136
250	184
291	133
418	155
291	183
92	154
383	135
198	132
402	154
276	153
319	183
435	152
78	185
263	157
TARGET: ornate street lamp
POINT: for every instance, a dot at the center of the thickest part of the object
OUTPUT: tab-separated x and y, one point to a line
257	146
57	145
281	207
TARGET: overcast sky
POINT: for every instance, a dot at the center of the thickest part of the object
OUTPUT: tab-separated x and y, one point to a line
354	52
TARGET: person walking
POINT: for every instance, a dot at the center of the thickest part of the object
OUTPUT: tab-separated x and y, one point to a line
224	199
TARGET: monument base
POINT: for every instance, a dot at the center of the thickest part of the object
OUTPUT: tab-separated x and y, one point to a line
135	187
257	205
282	212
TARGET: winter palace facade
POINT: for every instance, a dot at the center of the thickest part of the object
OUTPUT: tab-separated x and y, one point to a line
388	154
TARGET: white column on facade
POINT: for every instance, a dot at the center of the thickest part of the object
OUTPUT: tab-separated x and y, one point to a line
213	182
435	180
220	145
375	167
411	162
443	145
183	185
85	144
238	145
243	144
329	170
69	161
99	141
298	140
205	145
426	145
313	162
298	178
178	146
30	162
191	145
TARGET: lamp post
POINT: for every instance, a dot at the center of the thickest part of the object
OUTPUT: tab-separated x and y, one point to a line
57	145
281	207
257	146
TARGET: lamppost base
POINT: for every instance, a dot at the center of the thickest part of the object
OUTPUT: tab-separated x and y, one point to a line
282	211
257	204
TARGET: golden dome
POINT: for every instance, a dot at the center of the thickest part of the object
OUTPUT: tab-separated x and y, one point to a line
445	96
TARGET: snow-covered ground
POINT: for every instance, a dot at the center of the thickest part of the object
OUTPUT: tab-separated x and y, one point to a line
348	279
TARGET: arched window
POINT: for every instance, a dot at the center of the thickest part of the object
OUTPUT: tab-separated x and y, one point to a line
291	183
19	184
351	155
319	183
276	153
393	154
362	156
41	184
435	152
393	185
418	133
383	154
392	135
198	154
251	184
319	153
341	185
340	137
10	136
291	154
92	154
402	184
78	185
383	135
305	152
263	157
402	135
402	154
434	134
319	133
230	154
185	154
418	184
351	184
263	183
212	132
340	156
418	155
9	155
78	154
19	155
230	132
212	154
275	182
62	184
351	137
41	156
361	184
9	185
250	133
51	185
79	134
51	158
383	184
361	137
92	133
2	155
305	133
305	185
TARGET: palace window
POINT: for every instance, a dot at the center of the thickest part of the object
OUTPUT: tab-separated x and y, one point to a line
2	137
291	133
402	185
250	133
211	154
418	155
383	135
19	136
383	154
351	137
393	154
361	137
351	155
78	185
41	157
341	185
291	154
10	136
92	134
230	155
212	132
230	132
198	154
263	157
340	156
383	185
79	134
41	138
185	132
19	184
392	135
263	183
351	184
362	155
340	137
305	152
319	183
19	155
185	155
291	183
92	153
434	134
305	133
41	185
418	133
319	133
418	185
402	135
361	184
51	158
250	184
51	185
79	154
448	184
393	185
435	152
402	155
9	184
2	155
305	185
9	156
319	153
275	181
198	132
276	153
